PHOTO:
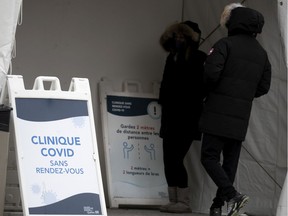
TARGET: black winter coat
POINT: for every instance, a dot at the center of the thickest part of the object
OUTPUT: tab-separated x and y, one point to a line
236	71
181	96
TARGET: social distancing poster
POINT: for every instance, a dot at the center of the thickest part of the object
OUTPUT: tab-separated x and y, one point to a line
134	151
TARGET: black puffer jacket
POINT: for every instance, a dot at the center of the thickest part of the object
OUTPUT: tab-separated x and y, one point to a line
181	90
236	71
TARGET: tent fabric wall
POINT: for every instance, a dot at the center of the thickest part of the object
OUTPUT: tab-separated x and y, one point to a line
9	12
263	163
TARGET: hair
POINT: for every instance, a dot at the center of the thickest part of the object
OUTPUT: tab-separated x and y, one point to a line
181	28
225	16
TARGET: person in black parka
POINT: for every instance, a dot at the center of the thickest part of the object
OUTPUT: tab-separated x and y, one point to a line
236	71
181	99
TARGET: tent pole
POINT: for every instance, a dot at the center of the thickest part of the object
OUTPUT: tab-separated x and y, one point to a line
182	13
283	20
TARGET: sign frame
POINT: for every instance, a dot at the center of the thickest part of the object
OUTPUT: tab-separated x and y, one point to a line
156	194
74	163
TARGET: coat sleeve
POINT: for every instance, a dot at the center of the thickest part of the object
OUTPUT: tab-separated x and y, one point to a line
165	81
215	63
265	82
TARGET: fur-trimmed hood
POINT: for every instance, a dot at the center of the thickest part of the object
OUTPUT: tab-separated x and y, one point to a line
188	29
240	19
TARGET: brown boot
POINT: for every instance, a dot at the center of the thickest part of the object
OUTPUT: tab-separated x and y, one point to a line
183	202
172	194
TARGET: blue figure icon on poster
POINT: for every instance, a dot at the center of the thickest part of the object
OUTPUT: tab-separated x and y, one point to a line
151	151
127	149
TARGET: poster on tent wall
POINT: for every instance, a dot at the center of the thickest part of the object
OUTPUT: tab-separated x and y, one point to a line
134	150
56	156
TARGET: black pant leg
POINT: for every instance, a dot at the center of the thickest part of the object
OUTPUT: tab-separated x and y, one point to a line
212	147
231	155
174	152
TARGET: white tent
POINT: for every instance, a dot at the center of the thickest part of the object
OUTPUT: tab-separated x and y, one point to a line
263	163
9	14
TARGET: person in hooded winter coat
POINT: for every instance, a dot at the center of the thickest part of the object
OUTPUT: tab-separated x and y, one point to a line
181	99
237	70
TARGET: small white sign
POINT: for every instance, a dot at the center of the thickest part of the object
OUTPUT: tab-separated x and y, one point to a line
135	150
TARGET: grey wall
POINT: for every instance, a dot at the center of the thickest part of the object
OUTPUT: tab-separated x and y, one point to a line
93	38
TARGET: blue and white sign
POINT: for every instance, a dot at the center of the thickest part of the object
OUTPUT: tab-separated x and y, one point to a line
57	157
135	150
